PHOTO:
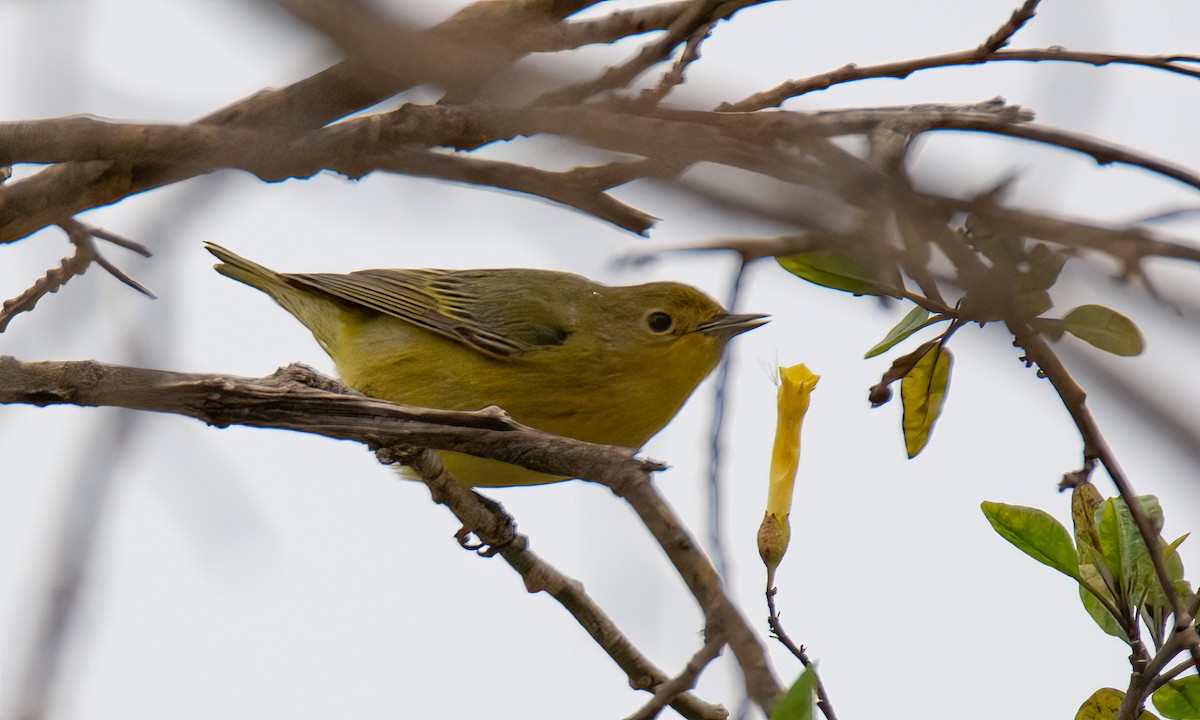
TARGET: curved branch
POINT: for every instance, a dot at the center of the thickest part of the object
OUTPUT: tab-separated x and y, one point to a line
298	398
487	521
900	69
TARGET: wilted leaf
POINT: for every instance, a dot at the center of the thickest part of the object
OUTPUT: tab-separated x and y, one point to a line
1104	328
1104	704
842	271
1085	500
1179	699
800	701
1036	533
923	392
916	319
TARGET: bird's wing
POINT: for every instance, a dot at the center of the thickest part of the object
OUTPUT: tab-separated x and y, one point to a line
488	311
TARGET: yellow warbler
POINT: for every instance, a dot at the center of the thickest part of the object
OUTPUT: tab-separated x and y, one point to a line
559	352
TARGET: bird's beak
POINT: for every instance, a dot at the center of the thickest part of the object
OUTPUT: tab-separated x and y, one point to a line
726	326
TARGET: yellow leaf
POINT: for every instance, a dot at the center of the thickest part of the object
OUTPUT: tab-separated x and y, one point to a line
923	391
1103	705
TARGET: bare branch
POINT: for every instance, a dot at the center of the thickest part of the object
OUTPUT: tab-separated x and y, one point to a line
699	14
289	400
677	686
798	652
1010	27
674	77
610	28
77	264
487	521
900	69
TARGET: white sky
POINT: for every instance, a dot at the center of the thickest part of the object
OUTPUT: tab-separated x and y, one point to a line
250	573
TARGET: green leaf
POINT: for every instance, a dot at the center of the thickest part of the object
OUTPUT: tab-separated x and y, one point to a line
1104	328
1124	551
1091	585
800	701
1103	705
1036	533
1179	699
842	271
916	319
923	392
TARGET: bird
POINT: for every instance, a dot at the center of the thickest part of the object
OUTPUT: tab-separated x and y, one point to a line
559	352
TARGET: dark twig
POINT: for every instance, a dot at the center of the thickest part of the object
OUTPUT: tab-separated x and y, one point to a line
798	651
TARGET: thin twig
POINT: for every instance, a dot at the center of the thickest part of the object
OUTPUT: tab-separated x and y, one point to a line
699	14
674	77
702	579
496	529
799	652
1010	27
901	69
76	264
665	693
53	281
1168	675
716	541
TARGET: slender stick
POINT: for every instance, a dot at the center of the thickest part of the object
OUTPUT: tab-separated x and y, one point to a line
496	529
682	682
797	650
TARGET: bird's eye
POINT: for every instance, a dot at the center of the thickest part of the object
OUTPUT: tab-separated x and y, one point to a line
659	322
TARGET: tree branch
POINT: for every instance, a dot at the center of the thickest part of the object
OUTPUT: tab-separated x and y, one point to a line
297	398
487	521
900	69
677	686
1095	447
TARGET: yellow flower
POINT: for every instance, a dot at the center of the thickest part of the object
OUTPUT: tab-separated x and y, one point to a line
796	384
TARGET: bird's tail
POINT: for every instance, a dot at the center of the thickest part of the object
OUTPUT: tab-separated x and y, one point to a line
319	312
246	271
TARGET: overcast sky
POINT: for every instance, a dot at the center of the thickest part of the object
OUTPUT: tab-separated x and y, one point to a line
247	573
